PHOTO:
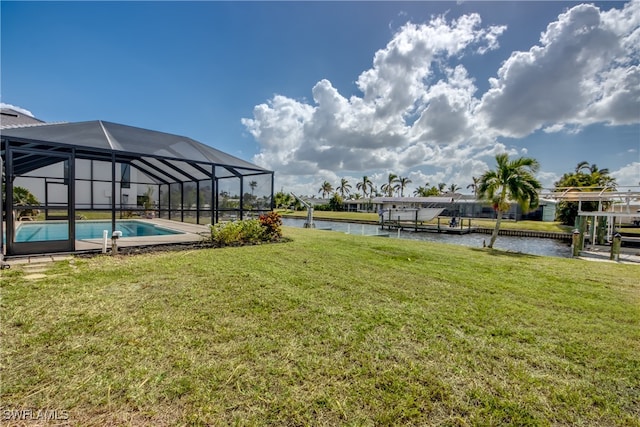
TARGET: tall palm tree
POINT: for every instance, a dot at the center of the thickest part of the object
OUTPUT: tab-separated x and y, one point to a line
474	185
325	189
441	187
453	188
404	181
344	188
512	180
366	185
391	186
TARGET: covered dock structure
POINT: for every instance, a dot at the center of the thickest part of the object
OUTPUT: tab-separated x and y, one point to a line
99	170
602	211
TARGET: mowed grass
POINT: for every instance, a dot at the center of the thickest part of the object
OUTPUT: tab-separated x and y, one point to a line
327	329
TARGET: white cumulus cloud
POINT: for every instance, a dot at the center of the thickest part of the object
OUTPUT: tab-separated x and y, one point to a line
405	116
584	71
417	105
628	175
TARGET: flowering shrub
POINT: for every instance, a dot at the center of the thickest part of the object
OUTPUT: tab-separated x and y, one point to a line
248	231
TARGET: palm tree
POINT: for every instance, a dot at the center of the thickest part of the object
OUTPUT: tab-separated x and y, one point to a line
589	178
421	191
441	187
391	186
253	185
511	180
404	181
474	185
582	165
344	188
601	177
365	185
453	188
325	189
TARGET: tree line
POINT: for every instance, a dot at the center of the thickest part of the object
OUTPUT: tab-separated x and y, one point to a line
394	186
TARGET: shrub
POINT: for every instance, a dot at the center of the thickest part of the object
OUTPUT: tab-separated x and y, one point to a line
251	231
267	228
272	225
226	233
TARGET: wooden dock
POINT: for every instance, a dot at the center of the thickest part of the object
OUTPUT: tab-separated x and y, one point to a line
431	228
465	227
527	233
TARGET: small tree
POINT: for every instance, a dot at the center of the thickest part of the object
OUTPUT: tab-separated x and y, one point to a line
23	197
283	200
336	202
586	177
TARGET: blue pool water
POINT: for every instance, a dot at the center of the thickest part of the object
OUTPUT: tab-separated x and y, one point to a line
46	231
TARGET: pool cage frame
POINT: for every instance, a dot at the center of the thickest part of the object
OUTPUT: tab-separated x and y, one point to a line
77	166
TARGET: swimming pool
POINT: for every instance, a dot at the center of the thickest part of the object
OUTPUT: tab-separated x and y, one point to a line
47	231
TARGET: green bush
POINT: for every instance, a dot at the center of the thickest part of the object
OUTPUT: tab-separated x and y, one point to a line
238	232
252	231
324	207
226	233
249	231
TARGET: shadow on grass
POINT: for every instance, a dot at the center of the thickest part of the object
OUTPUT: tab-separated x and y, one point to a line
496	252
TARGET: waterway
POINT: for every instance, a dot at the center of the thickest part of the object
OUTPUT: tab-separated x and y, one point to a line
527	245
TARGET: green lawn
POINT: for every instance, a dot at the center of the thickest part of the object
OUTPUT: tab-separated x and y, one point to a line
327	329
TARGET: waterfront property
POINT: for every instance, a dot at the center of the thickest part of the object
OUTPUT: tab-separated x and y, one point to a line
104	170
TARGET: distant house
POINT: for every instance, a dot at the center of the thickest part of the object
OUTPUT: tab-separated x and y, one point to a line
470	207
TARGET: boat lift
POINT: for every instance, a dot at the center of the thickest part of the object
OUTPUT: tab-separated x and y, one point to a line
309	223
620	200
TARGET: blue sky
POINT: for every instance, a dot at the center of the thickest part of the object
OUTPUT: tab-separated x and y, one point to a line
323	90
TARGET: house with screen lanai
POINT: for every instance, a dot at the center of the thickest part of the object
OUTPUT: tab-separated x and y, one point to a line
83	171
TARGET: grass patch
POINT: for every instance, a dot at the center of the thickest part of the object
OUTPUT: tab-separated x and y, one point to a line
555	226
328	329
331	215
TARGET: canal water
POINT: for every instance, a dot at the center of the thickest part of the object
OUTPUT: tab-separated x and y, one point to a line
527	245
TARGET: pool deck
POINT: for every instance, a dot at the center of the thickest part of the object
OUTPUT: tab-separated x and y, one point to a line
191	233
